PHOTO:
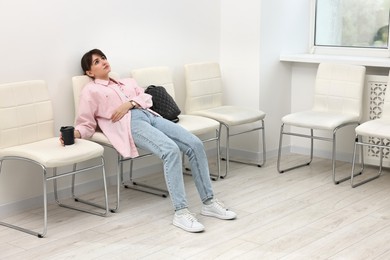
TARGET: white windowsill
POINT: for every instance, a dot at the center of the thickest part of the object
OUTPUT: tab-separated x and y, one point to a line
317	58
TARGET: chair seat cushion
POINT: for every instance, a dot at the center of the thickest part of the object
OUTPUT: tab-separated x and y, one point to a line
198	124
375	128
100	138
233	115
50	153
319	119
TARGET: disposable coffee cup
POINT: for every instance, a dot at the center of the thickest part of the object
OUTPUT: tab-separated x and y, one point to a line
67	133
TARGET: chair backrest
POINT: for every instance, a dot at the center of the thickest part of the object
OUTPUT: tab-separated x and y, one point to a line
159	76
203	86
339	88
386	104
78	83
26	113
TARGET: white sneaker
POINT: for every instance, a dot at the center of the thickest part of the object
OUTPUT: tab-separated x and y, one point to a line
218	210
186	220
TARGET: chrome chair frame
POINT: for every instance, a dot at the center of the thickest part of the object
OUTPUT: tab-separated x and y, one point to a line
139	186
312	137
228	135
359	142
54	177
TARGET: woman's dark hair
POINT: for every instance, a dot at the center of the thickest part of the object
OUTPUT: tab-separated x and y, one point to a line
86	60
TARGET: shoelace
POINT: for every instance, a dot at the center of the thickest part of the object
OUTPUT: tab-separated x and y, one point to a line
190	216
219	205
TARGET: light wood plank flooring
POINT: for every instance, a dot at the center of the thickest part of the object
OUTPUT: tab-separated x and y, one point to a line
300	214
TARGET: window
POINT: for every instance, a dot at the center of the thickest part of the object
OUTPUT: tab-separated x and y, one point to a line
357	27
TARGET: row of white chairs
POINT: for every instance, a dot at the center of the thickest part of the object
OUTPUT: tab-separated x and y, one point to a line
338	102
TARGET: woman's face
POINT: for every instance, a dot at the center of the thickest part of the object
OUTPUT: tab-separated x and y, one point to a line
100	67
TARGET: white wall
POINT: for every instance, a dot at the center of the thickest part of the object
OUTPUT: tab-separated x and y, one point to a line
240	41
284	29
45	39
253	34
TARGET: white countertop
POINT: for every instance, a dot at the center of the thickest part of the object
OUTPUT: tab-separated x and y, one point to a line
318	58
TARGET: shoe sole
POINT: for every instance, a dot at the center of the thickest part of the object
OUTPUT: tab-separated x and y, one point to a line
211	214
192	230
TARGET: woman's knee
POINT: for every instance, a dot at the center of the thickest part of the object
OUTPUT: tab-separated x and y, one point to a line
196	143
195	147
170	149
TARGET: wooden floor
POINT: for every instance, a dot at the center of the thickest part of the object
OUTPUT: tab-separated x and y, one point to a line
300	214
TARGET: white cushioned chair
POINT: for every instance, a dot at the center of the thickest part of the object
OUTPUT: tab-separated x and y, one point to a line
337	103
204	98
27	134
78	83
374	134
198	125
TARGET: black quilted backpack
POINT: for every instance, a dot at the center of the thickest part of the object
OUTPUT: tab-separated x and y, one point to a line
163	103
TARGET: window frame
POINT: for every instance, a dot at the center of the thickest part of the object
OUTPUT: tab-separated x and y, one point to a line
346	51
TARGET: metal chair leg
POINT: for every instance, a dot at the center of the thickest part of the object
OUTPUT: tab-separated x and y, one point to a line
119	182
359	142
54	178
105	206
218	145
280	151
264	144
334	162
227	151
143	187
29	231
228	135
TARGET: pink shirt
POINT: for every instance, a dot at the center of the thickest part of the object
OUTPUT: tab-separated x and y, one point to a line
98	100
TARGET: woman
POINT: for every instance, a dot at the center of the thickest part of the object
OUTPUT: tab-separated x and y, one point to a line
121	110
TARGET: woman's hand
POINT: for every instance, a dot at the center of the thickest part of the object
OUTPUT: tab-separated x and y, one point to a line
77	134
121	111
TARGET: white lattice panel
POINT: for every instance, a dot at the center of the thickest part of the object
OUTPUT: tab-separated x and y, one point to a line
374	96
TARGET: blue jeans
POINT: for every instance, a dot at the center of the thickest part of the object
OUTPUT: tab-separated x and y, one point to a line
167	140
